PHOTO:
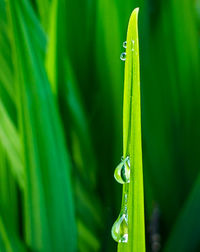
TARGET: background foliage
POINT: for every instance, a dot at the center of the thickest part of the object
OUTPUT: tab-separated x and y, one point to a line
61	84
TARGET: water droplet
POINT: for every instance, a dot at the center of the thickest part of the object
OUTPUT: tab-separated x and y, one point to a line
120	228
122	171
125	44
123	56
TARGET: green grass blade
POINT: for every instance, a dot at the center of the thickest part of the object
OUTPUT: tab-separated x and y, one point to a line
43	8
85	235
52	55
10	141
6	76
132	141
80	128
49	210
107	38
65	87
184	235
8	194
9	242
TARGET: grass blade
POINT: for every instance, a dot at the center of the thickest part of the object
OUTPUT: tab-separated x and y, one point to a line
132	141
181	238
49	211
43	8
65	87
52	55
11	143
9	241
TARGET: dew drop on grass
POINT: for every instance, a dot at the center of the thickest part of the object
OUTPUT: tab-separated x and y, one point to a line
120	227
122	171
123	56
132	45
125	44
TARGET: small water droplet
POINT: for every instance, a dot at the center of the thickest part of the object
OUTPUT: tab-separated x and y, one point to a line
123	56
125	44
122	171
120	228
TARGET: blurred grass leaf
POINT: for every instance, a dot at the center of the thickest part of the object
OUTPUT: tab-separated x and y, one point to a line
47	165
9	242
11	142
184	236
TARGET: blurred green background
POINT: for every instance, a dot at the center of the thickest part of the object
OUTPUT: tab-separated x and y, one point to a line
61	90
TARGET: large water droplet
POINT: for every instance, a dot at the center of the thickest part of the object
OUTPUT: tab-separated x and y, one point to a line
122	171
123	56
125	44
120	228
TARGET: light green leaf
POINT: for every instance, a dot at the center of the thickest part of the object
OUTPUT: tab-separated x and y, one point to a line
52	57
132	142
